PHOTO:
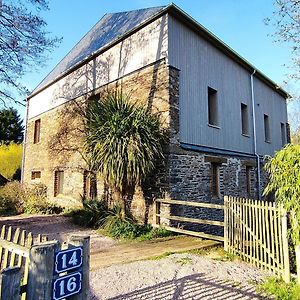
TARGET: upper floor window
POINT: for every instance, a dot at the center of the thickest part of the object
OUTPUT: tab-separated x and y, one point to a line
58	182
37	131
212	107
215	180
267	128
245	119
283	134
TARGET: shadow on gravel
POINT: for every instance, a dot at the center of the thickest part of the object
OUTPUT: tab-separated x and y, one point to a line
196	286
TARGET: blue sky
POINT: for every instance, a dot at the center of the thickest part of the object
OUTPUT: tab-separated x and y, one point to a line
239	23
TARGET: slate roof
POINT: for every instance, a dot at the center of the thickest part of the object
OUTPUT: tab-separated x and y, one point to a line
110	27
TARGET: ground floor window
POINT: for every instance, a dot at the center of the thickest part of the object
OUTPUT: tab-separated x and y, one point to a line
35	175
89	185
248	180
58	182
215	180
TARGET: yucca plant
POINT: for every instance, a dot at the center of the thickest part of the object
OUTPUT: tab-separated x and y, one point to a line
123	141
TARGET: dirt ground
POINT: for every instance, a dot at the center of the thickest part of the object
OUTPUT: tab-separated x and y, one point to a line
179	276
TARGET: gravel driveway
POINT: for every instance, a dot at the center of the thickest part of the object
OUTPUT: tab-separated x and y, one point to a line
179	276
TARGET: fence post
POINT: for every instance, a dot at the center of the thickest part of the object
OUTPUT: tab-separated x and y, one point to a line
226	223
286	262
41	268
10	283
83	241
297	251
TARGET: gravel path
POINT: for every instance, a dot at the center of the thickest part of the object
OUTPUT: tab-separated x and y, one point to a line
179	276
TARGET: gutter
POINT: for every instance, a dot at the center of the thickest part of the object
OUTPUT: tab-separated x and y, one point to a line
24	142
255	135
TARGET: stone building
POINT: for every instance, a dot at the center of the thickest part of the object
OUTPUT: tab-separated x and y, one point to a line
222	114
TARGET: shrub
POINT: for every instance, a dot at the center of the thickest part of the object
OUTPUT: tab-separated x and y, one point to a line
10	160
280	290
16	199
92	214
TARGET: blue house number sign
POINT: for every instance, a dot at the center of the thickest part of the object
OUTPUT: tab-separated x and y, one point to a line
69	259
66	286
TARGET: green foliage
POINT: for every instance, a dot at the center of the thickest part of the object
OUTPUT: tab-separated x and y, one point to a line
11	128
284	172
16	199
279	289
123	141
120	226
92	214
10	160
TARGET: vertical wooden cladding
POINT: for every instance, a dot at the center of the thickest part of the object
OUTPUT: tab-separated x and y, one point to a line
202	65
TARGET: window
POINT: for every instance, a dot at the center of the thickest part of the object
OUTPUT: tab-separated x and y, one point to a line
58	182
212	107
245	120
248	179
215	180
35	175
89	185
283	134
37	131
288	133
267	128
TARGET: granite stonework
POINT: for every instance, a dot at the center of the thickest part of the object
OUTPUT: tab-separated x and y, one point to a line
183	175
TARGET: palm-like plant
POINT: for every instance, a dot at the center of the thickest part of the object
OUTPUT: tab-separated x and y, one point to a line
123	141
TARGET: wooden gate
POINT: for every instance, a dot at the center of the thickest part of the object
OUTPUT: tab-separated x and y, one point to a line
27	264
158	216
257	232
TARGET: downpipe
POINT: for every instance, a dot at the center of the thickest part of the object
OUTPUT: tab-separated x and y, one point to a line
255	135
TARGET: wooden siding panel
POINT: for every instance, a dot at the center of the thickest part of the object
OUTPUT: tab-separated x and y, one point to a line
202	65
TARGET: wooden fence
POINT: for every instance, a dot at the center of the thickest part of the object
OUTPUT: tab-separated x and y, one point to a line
27	264
257	232
157	216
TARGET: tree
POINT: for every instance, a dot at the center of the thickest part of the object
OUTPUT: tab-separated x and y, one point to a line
286	19
23	44
284	171
10	161
123	140
11	128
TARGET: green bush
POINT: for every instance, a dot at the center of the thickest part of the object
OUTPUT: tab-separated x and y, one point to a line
16	199
92	214
120	226
279	289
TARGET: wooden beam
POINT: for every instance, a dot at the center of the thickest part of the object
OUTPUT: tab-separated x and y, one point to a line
195	233
191	203
192	220
14	248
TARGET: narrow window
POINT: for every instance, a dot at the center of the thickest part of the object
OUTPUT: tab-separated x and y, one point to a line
283	134
245	120
89	185
215	180
58	182
288	133
267	128
35	175
37	131
212	107
248	179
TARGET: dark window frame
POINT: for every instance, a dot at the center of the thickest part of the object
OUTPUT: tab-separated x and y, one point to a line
37	131
283	134
248	179
267	129
245	119
36	175
212	102
58	182
215	180
89	185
